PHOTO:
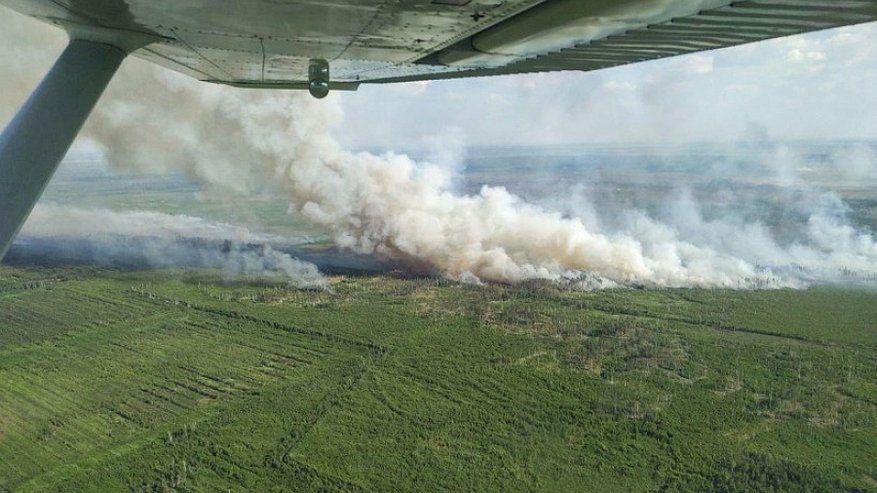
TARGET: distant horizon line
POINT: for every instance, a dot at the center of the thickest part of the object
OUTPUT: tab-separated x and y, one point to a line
94	155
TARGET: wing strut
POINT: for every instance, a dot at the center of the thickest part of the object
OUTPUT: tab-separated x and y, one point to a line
35	141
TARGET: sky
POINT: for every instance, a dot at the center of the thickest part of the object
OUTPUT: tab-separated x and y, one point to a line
814	86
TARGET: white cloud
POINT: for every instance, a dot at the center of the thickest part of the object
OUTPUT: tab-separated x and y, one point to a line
619	86
799	55
695	64
415	88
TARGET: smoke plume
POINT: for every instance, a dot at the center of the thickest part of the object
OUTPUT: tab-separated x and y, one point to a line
239	142
142	239
55	220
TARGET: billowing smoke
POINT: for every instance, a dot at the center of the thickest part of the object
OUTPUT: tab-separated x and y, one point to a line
55	220
145	239
247	141
243	142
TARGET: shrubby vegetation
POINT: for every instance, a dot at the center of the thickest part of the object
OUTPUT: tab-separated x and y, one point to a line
175	381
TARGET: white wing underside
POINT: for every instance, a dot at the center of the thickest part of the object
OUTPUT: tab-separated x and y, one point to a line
268	43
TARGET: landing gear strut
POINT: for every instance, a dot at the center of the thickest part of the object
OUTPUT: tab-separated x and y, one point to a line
35	141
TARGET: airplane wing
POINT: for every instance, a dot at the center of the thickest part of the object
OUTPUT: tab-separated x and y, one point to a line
271	43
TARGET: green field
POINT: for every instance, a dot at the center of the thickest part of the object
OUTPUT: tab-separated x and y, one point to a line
176	381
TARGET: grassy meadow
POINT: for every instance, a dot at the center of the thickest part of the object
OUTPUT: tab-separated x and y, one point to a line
178	381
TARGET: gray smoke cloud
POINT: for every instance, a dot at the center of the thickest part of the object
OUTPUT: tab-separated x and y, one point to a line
244	142
28	52
107	237
54	220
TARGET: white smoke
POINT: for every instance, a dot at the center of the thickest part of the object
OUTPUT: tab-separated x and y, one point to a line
852	165
245	141
391	205
384	204
165	240
55	220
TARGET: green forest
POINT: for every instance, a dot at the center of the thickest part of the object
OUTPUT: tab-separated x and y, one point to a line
185	381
